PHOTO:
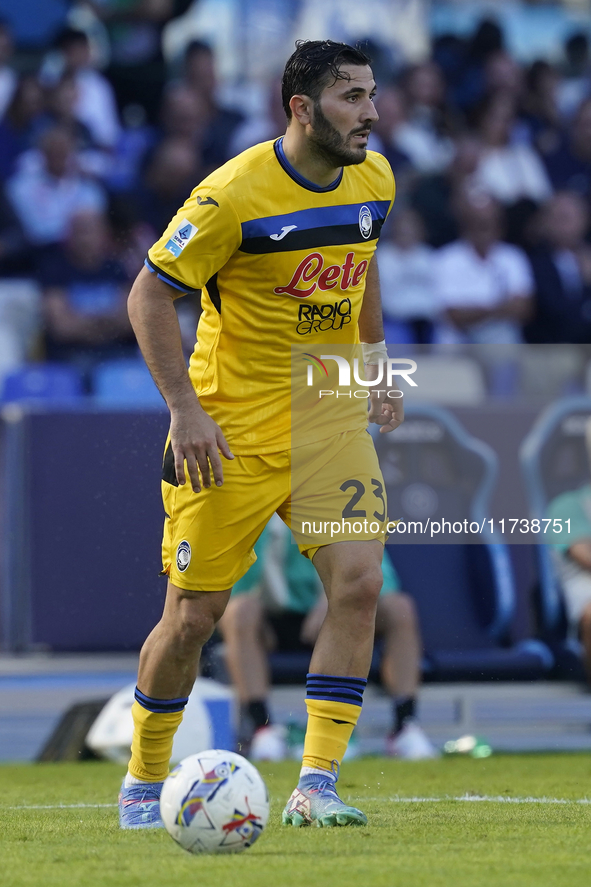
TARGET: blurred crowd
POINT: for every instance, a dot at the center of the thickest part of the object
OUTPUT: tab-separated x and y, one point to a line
488	241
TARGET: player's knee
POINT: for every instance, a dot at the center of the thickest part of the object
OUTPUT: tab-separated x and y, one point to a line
194	627
360	588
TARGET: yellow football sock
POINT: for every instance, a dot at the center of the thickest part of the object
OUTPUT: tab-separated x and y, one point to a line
151	746
329	729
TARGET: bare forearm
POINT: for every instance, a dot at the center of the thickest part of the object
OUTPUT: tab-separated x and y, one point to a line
519	308
371	325
154	321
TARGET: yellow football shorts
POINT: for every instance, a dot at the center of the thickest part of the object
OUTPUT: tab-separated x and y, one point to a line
328	491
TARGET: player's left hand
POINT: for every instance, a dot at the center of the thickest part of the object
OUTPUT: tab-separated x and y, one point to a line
386	407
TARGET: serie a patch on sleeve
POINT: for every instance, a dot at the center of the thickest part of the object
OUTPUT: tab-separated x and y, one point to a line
181	237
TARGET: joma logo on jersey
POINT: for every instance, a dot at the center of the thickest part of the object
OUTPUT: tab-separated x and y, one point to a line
311	271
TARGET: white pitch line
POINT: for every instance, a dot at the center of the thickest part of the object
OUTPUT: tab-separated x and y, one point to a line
491	799
56	806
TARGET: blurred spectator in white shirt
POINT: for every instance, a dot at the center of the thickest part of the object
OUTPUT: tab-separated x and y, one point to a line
19	294
425	136
483	285
48	189
8	77
508	171
405	263
95	104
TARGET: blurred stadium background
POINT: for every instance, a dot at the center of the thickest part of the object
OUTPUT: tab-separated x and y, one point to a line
110	112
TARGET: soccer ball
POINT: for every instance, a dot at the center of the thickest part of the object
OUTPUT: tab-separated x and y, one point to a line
214	802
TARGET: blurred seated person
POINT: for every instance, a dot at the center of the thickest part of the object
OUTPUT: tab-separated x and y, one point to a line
269	124
503	75
390	104
561	267
569	162
8	76
94	104
508	170
219	122
15	258
48	189
170	176
540	115
576	70
182	118
280	602
432	196
19	293
426	134
405	263
18	127
483	285
60	101
85	296
572	556
137	70
464	62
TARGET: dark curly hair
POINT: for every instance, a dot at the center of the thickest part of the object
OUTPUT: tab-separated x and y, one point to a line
314	65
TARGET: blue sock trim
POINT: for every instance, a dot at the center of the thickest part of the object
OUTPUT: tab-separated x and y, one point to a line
160	706
335	688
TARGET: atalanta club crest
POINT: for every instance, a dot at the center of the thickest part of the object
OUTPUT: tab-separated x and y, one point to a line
183	556
365	221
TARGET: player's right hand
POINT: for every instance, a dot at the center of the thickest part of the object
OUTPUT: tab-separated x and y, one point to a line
197	441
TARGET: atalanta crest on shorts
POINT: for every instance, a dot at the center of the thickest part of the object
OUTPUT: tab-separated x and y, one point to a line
180	238
365	221
183	556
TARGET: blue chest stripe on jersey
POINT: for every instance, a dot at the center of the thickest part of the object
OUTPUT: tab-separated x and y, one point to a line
318	217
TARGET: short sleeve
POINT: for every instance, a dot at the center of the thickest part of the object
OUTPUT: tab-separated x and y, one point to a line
200	239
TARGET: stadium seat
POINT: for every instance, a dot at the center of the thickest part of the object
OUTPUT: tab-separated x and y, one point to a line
125	384
464	593
554	460
43	383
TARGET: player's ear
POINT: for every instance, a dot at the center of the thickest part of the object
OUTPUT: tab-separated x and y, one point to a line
301	108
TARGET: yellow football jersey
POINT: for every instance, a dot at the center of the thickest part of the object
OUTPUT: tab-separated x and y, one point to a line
280	261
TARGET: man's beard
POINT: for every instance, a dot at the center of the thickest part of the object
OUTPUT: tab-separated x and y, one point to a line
328	144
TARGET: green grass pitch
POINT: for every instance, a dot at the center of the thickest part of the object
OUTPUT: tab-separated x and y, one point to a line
436	840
